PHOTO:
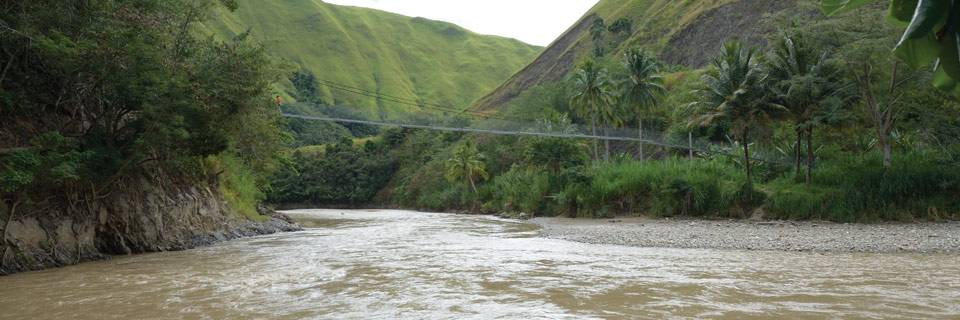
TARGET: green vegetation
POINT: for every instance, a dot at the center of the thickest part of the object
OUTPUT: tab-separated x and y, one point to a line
931	35
878	152
679	32
918	185
340	174
734	90
410	58
467	164
810	85
665	188
239	185
132	89
95	93
593	98
641	85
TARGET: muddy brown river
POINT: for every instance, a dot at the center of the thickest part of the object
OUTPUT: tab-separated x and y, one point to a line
386	264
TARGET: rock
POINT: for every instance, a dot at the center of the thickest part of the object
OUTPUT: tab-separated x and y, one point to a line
139	216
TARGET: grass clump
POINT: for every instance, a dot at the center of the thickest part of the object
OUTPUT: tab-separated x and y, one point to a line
238	184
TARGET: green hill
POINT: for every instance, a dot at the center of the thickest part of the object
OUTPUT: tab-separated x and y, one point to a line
684	32
395	55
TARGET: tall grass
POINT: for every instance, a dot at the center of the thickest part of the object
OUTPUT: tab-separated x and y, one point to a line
238	184
673	186
917	186
521	190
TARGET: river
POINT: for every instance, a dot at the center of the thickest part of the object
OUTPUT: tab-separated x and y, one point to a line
373	264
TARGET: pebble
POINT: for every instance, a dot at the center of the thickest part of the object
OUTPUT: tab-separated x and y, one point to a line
926	237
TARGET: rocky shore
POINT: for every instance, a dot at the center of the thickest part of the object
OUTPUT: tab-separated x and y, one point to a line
757	235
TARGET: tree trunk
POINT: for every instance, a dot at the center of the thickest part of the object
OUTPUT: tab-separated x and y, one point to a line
746	160
593	126
606	146
798	148
469	178
640	135
886	155
884	148
809	153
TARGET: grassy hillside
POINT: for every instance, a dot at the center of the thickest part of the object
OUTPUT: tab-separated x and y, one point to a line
684	32
411	58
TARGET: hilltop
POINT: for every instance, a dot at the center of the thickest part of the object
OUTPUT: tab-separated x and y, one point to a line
683	32
410	58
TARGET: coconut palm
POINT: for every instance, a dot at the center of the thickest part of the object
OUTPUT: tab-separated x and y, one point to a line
593	97
734	89
805	83
641	86
610	118
466	163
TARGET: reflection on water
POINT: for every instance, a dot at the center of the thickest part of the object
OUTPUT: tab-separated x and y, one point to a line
401	264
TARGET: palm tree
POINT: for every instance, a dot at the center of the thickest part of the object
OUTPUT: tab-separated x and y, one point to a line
641	85
734	89
610	118
466	163
594	96
806	84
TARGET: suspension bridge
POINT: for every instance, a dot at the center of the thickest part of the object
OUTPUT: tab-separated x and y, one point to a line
467	121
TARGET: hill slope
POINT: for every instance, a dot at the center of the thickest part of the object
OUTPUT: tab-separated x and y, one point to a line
684	32
411	58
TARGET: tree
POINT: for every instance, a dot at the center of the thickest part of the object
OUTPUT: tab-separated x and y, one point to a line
931	35
593	95
596	34
734	89
641	85
883	104
110	89
807	84
466	163
621	28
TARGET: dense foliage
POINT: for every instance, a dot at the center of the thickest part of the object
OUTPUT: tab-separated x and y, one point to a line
95	91
764	99
340	174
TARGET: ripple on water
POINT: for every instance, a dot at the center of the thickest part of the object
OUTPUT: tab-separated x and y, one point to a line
402	264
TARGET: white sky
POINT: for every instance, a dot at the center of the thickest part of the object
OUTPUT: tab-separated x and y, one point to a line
537	22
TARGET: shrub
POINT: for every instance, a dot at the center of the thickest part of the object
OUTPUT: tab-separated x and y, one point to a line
521	190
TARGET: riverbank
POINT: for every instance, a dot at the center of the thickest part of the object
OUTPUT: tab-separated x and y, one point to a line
144	215
749	235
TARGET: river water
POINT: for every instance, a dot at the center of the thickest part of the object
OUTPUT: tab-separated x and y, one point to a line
401	264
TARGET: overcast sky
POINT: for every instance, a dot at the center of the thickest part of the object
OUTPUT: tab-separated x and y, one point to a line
536	22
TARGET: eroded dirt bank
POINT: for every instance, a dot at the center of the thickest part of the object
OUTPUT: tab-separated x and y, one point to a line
145	214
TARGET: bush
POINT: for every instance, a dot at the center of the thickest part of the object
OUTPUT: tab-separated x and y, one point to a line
521	190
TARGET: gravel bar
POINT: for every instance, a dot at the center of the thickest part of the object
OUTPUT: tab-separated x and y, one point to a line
749	235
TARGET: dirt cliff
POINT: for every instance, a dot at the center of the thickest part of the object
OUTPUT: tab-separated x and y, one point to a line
144	214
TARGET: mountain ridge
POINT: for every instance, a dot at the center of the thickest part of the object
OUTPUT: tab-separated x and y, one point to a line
409	57
684	32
